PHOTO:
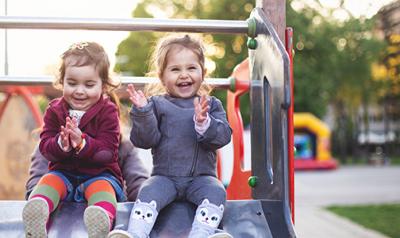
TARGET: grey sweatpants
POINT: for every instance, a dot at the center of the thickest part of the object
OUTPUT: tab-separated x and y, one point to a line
165	190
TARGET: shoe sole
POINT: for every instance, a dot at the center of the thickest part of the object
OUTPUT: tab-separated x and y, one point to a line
119	234
34	216
220	235
97	222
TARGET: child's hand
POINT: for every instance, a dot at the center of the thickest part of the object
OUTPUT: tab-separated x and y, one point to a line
200	109
75	134
137	97
64	139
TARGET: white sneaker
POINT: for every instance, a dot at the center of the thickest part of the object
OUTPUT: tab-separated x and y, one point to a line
220	235
119	234
97	222
35	215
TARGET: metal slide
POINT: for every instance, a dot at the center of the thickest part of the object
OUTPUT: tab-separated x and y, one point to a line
268	213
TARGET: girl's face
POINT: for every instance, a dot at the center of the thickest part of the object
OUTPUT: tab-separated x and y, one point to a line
183	75
82	86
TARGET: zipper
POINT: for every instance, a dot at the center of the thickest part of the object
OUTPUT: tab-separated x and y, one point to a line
196	151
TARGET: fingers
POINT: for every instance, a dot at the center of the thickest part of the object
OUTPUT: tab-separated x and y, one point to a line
204	105
72	131
134	95
196	101
201	108
131	91
137	97
64	137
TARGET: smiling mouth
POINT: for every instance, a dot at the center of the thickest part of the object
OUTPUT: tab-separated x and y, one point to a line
79	99
184	84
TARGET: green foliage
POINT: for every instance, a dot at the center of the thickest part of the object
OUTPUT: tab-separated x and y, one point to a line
383	218
333	60
228	50
133	52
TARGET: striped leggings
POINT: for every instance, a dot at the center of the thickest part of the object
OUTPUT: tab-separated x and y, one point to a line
99	193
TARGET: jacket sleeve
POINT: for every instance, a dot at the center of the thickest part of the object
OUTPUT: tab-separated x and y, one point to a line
102	148
145	133
133	170
37	168
48	145
219	132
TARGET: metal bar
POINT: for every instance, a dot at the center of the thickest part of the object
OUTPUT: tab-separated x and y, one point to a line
139	81
134	24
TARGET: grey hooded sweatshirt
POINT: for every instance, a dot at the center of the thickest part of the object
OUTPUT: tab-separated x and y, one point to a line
166	126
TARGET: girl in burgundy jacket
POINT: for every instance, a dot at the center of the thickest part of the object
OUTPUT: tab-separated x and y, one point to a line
80	140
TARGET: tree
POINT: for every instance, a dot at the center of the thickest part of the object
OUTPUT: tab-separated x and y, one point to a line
225	51
331	64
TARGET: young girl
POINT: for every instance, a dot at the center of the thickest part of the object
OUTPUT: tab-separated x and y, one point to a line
184	128
80	140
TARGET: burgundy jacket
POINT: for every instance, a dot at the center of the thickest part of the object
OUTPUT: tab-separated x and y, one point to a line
100	124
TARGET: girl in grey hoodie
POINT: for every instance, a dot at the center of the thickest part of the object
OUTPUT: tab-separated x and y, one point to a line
183	126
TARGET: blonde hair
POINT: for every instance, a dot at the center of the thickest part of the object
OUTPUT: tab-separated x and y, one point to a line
83	54
158	60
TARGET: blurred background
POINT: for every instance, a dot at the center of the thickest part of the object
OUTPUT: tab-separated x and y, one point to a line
346	68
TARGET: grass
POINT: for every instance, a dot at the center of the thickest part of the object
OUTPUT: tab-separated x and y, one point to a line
384	218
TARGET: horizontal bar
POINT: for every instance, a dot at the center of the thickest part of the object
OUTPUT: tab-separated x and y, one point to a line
134	24
139	81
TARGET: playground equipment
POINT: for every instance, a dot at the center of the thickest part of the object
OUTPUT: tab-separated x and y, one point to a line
266	207
312	141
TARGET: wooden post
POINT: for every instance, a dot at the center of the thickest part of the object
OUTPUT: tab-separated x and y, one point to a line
275	10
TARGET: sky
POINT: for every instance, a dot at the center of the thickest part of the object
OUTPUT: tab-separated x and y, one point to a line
35	52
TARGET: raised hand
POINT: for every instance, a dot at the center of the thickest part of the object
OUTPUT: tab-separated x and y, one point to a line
137	97
75	134
201	108
64	138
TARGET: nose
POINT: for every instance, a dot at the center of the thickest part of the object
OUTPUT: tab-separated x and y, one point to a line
184	74
80	90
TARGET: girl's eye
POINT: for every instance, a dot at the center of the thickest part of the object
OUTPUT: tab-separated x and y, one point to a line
89	85
71	84
192	68
174	69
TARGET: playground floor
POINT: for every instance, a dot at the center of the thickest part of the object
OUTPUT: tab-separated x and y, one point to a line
315	190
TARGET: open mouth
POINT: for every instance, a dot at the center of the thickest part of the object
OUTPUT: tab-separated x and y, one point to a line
185	84
79	99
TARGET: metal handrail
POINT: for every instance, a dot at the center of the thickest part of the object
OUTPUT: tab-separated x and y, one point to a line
139	81
133	24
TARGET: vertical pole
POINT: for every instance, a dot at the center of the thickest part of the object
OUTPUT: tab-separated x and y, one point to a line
275	10
289	49
5	43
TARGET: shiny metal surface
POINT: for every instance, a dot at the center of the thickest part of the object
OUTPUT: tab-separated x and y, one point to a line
268	214
140	81
270	98
134	24
174	220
